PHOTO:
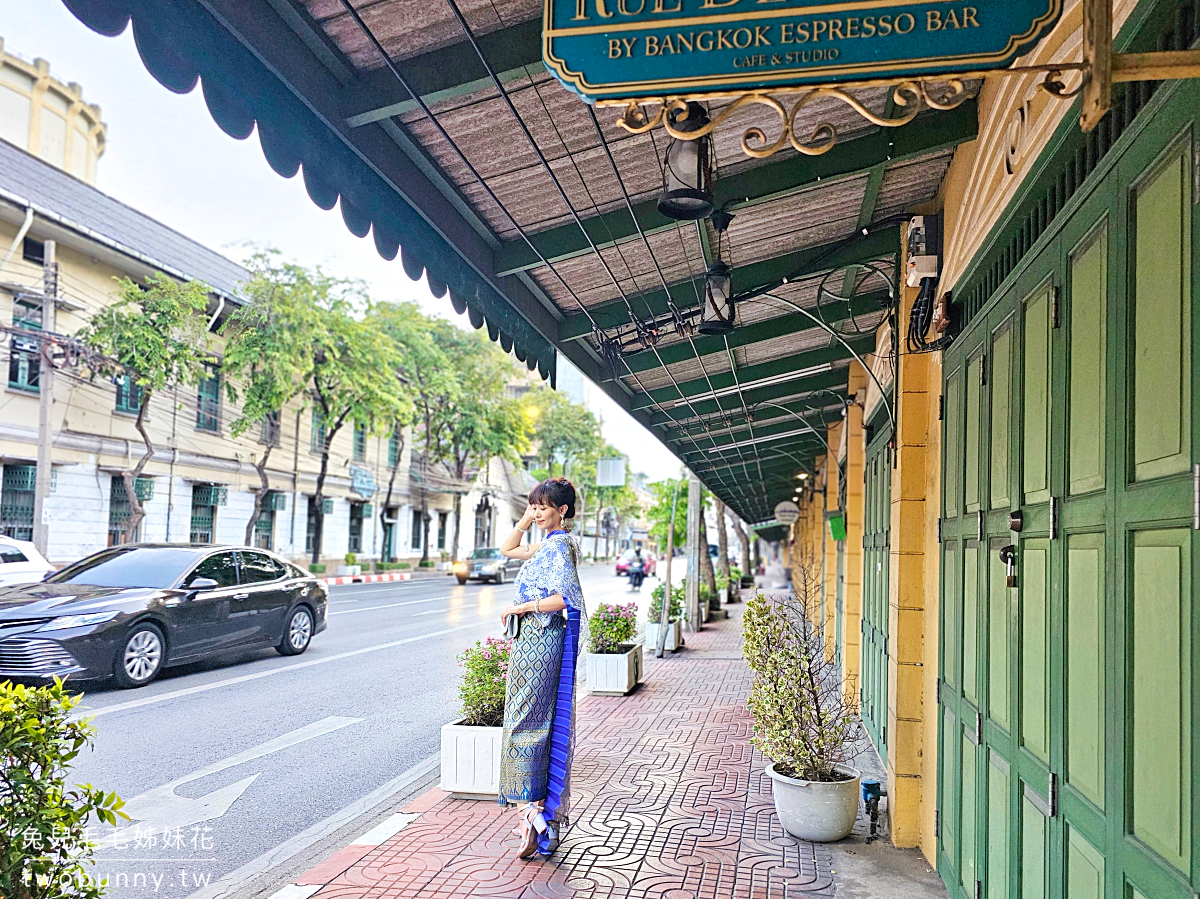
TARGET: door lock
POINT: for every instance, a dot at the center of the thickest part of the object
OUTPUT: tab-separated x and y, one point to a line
1008	555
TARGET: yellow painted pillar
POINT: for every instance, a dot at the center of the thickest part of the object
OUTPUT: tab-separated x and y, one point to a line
913	607
850	639
831	549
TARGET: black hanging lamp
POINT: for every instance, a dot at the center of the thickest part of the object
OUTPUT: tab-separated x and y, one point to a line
717	316
687	168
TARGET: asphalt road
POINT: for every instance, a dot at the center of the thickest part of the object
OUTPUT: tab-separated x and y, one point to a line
223	763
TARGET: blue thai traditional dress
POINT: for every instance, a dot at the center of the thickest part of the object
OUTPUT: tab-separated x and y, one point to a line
539	701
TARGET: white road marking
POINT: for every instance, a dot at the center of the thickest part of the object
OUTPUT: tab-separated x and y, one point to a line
393	605
432	612
295	891
385	829
234	881
228	682
161	809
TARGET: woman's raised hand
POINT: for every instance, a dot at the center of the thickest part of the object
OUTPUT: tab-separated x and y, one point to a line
528	518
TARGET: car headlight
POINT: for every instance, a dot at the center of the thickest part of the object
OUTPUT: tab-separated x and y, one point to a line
67	621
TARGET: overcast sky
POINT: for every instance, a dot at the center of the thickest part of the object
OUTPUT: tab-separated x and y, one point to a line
167	158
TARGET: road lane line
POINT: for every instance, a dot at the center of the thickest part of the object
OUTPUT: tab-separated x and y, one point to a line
228	682
392	605
235	880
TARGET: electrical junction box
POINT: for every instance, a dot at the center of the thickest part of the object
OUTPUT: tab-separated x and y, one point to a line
924	245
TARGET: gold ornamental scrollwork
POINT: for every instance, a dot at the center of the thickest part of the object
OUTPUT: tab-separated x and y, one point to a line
908	99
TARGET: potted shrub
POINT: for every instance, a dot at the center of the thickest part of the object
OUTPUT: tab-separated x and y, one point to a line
613	662
674	619
45	848
444	563
803	720
713	601
471	745
351	568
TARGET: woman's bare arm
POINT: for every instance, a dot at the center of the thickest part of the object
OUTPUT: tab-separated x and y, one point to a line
552	603
512	547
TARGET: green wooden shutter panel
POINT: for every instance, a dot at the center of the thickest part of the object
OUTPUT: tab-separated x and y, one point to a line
1088	371
1034	664
999	603
1160	763
1162	354
970	652
1085	666
1000	439
1036	418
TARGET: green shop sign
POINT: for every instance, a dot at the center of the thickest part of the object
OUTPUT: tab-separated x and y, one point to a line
612	49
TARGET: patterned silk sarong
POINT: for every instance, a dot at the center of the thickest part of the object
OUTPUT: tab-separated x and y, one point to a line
529	705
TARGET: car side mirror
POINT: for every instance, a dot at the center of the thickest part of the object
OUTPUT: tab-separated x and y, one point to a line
202	583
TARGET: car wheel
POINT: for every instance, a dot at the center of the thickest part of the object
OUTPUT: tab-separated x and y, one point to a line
140	657
500	577
462	580
298	633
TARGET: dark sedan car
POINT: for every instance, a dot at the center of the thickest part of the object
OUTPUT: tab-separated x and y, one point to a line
130	611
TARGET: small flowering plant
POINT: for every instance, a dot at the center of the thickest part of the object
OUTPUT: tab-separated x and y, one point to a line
612	625
485	674
674	613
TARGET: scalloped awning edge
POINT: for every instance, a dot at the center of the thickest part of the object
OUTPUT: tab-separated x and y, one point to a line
182	44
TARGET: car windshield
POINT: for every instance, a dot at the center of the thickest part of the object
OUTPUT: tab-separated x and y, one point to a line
157	567
485	554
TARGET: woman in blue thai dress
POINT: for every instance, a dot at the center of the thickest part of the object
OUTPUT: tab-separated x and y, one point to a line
539	704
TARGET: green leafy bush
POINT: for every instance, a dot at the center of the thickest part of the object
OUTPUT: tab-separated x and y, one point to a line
44	849
351	559
735	573
426	563
611	625
485	675
674	613
803	718
317	567
392	566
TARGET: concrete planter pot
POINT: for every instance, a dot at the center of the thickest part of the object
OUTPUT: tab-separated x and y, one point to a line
716	613
813	810
615	673
443	566
674	636
471	761
349	570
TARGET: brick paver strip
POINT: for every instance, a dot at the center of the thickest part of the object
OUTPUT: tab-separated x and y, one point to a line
670	801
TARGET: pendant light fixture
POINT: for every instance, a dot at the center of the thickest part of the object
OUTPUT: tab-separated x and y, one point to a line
687	168
719	313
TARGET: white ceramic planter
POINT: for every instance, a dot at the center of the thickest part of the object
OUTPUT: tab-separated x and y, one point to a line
723	595
349	570
674	636
814	810
471	761
615	673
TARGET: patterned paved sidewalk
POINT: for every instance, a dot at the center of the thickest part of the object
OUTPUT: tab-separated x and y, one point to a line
670	801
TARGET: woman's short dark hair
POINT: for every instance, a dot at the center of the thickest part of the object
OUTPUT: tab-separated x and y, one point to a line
554	492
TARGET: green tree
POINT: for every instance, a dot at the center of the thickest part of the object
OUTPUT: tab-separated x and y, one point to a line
566	433
152	337
268	359
722	538
486	423
438	391
426	372
344	367
659	513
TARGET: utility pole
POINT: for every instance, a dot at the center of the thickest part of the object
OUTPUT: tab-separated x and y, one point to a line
41	524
